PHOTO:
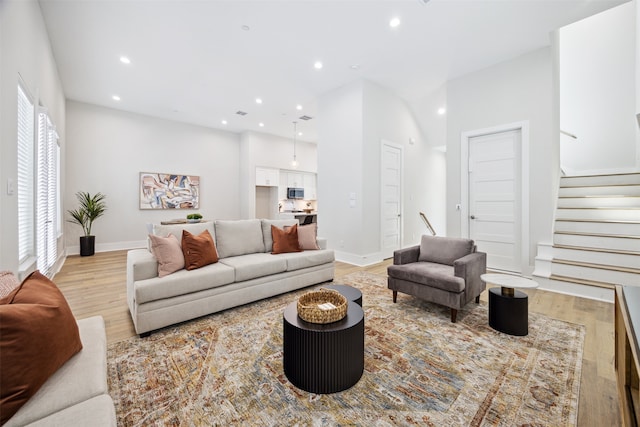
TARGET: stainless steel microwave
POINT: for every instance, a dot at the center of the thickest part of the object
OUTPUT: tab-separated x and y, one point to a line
295	193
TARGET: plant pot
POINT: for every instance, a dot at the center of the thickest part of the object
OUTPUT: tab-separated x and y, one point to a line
87	245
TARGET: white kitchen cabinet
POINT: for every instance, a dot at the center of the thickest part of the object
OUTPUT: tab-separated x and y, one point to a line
309	185
294	179
267	177
306	180
282	188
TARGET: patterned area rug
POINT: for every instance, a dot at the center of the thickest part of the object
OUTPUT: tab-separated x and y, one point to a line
420	369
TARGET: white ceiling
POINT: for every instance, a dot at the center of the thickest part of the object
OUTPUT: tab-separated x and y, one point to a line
192	61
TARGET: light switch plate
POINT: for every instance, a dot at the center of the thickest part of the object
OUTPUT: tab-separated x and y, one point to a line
10	187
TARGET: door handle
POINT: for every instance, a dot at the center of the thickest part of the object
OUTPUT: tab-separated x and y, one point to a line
472	217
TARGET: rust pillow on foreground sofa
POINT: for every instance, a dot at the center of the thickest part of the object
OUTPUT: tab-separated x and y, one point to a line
198	250
285	241
38	334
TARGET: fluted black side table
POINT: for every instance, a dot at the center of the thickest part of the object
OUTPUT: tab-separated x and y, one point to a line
508	307
349	292
323	358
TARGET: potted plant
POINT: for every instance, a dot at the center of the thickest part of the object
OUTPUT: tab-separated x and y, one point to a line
194	217
90	209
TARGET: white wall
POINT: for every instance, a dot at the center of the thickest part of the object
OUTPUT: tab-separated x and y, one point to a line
340	169
354	120
106	151
261	149
637	27
598	93
637	55
509	92
434	130
388	117
31	59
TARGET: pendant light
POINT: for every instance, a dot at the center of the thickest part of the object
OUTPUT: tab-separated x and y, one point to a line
294	162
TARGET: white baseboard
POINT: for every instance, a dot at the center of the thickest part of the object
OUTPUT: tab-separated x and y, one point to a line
359	260
108	247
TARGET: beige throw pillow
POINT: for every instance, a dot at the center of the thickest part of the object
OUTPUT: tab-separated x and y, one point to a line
168	252
307	236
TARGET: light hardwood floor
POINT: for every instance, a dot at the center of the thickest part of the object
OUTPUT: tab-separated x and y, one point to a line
97	286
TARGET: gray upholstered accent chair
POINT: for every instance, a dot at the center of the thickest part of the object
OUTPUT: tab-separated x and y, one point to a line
443	270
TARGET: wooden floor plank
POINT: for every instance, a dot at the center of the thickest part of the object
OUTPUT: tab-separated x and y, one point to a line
96	285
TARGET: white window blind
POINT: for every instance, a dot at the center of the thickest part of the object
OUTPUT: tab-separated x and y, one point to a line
46	198
26	246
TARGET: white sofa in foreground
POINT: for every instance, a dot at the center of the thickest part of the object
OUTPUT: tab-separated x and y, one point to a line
77	394
246	272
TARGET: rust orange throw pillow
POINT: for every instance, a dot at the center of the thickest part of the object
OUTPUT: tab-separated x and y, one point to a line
285	241
198	250
38	334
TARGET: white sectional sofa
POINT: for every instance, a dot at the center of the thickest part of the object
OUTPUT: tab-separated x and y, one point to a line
77	394
246	272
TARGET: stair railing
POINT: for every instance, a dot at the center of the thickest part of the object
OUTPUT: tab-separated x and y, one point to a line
427	223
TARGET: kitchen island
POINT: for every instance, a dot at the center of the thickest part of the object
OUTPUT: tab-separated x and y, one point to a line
301	216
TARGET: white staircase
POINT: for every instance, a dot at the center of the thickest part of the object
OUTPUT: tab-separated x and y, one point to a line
596	239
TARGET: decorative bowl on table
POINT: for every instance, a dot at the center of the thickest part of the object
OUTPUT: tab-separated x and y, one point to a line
322	306
193	221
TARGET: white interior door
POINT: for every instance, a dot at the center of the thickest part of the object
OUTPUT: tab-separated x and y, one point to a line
391	214
495	218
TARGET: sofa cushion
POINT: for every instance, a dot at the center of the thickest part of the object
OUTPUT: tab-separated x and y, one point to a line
431	274
83	377
307	236
38	334
255	265
300	260
266	230
97	411
285	241
238	237
444	250
183	282
8	282
168	253
198	250
176	229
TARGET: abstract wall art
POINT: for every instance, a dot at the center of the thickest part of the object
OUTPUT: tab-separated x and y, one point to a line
169	191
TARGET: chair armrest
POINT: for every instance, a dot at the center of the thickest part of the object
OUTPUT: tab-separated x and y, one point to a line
470	268
406	255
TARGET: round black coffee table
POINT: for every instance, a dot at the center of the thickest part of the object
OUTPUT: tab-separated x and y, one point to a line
349	292
323	358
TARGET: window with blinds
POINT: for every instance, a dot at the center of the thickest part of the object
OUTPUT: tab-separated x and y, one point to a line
47	194
26	155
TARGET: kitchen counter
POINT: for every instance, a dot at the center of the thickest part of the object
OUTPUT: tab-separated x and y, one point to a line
300	216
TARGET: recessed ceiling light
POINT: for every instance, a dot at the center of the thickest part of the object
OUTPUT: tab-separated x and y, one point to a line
299	133
298	107
355	67
246	27
224	122
125	60
258	101
261	124
317	65
442	110
115	98
394	22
